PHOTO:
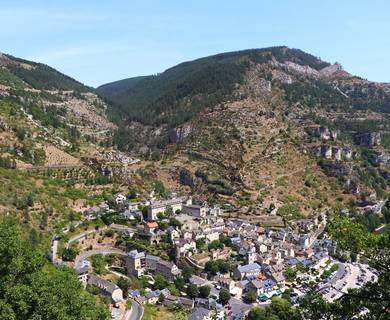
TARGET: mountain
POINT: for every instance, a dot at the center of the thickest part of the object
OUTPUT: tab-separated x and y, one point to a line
53	133
275	132
16	71
162	98
48	106
263	128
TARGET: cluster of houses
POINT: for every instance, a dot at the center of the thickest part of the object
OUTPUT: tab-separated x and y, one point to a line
106	287
261	256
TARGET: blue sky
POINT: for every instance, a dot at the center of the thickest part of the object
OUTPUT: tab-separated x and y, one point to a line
102	41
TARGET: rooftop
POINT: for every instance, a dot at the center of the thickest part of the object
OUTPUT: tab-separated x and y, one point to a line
251	267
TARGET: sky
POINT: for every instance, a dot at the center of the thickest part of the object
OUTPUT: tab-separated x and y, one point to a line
102	41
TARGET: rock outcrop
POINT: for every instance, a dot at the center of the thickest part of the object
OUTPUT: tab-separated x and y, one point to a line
369	139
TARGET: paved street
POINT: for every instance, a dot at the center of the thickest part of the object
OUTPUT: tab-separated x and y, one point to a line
136	312
86	254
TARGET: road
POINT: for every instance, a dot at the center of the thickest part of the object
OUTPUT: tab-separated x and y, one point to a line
79	236
136	312
86	254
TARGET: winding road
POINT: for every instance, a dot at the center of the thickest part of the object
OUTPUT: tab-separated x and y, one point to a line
136	312
86	254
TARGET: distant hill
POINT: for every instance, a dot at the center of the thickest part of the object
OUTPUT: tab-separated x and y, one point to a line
265	126
117	88
166	97
36	75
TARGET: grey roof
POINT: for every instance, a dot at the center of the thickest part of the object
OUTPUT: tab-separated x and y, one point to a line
199	313
164	203
168	264
252	267
136	255
185	301
257	284
82	270
105	285
151	257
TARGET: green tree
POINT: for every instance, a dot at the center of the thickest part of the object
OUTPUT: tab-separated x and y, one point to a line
161	298
180	283
174	222
160	282
174	290
30	288
69	254
224	296
20	133
250	296
216	244
201	244
187	272
212	266
124	284
204	291
279	309
291	273
224	266
225	240
192	291
372	296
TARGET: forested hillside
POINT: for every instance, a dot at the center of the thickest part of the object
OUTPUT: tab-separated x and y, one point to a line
176	95
253	117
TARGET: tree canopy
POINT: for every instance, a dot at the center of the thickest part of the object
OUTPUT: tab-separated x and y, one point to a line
30	288
372	300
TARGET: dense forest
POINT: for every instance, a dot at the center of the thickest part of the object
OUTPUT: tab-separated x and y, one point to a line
31	288
41	76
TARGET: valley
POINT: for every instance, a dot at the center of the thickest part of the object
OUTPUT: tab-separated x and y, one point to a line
221	187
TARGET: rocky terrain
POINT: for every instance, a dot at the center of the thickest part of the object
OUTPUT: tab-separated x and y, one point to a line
257	130
285	128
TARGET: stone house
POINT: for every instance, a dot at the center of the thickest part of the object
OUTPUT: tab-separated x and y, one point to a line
107	287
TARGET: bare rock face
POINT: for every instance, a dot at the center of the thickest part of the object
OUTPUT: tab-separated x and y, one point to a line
382	158
369	139
323	132
301	69
282	76
3	125
385	174
178	134
337	169
186	178
331	70
262	85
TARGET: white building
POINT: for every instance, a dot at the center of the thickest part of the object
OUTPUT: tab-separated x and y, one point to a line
161	206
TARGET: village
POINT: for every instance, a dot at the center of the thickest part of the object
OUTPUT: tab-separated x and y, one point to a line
188	257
